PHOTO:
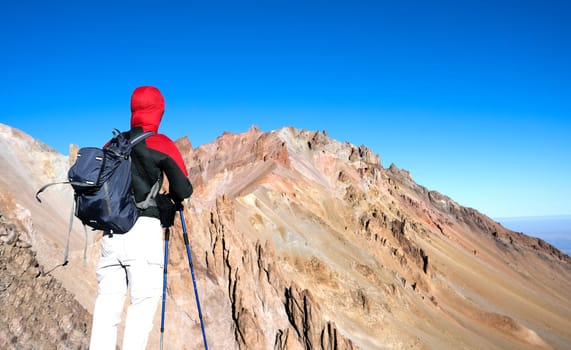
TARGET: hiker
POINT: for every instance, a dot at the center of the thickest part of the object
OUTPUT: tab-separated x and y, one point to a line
134	260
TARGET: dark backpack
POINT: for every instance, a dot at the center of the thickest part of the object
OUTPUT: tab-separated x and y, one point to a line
101	180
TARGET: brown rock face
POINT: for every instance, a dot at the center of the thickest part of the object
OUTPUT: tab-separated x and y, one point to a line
37	311
302	242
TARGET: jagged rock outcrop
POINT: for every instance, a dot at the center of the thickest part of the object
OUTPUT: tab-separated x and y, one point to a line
308	324
303	242
252	266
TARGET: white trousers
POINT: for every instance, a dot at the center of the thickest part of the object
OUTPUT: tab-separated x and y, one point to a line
132	261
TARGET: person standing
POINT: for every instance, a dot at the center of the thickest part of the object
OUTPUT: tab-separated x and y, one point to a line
133	261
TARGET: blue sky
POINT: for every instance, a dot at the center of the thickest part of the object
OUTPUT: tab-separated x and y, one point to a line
472	97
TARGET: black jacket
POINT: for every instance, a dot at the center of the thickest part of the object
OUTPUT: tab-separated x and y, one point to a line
157	154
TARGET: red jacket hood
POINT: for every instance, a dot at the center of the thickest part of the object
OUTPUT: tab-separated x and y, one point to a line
147	108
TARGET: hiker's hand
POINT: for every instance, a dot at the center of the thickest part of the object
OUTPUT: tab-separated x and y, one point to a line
177	202
167	209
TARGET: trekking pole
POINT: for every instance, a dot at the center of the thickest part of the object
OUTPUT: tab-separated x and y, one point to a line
187	244
166	262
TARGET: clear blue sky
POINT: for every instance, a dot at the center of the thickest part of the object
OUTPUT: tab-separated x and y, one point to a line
472	97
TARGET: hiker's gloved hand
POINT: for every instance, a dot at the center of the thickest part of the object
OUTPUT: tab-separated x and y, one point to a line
177	202
167	209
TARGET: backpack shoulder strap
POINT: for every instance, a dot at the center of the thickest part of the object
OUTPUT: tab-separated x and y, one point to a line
140	138
121	144
150	199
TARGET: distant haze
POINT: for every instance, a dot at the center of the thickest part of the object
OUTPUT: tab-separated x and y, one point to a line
553	229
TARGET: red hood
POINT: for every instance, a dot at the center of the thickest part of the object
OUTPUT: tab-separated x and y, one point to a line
147	108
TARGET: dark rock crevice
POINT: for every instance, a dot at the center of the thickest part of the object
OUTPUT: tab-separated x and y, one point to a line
312	331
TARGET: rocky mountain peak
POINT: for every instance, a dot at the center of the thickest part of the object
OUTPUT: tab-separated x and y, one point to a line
300	241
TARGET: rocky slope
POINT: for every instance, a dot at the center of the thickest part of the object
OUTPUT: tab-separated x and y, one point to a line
303	242
37	311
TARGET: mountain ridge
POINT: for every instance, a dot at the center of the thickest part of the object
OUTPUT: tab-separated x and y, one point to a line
302	241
